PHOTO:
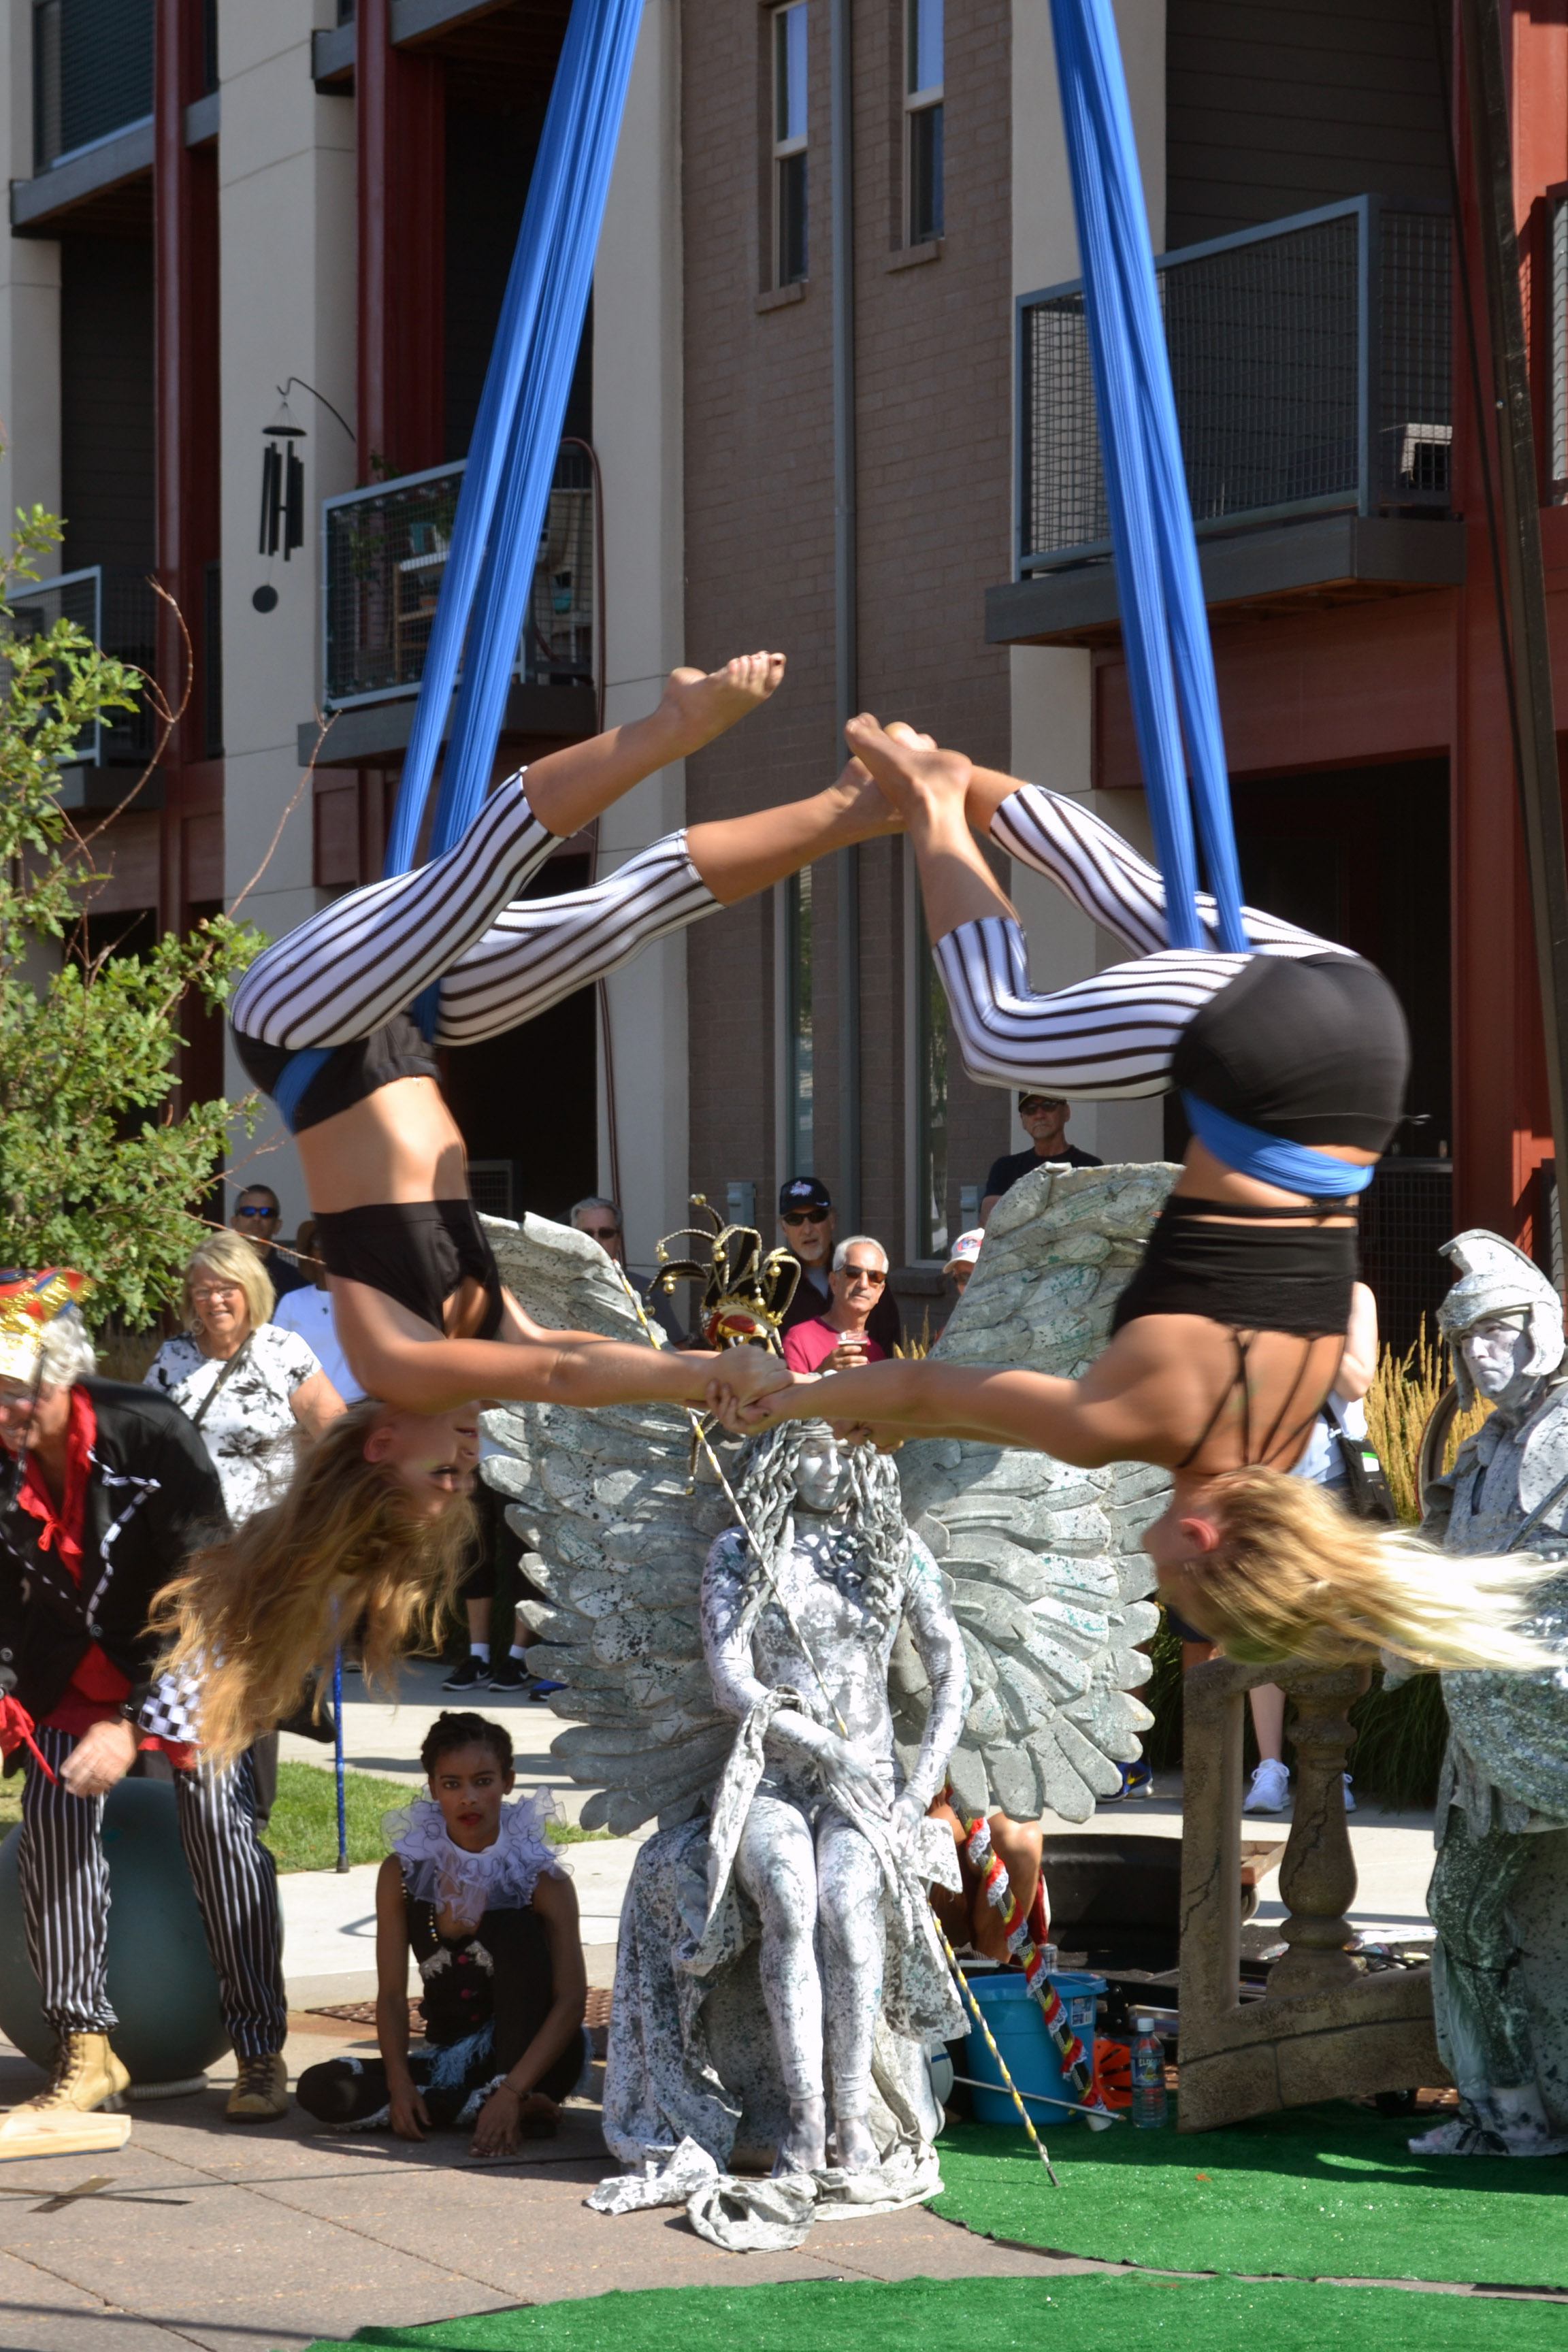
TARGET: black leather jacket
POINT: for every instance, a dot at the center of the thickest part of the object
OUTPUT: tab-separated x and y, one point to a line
153	1496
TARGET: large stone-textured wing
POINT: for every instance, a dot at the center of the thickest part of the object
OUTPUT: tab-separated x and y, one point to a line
616	1544
1045	1570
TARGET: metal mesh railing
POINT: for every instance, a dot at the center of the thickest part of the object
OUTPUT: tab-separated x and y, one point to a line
385	554
92	73
1407	1214
119	612
1278	406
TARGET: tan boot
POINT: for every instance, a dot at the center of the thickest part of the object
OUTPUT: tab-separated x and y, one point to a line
261	2094
86	2075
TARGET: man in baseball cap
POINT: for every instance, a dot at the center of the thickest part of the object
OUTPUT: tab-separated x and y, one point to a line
805	1214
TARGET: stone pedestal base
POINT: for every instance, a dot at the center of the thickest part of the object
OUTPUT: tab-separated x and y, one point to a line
1323	2031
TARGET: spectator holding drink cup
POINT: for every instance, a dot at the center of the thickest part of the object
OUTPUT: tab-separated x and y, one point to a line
838	1341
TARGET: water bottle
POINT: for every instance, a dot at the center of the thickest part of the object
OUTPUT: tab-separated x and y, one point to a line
1148	2076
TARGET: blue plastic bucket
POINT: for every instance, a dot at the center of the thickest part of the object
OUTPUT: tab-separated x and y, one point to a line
1018	2024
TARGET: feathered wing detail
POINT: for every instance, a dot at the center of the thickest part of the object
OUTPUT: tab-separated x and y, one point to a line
1042	1560
616	1545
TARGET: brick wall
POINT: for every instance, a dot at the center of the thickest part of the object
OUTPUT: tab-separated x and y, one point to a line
933	354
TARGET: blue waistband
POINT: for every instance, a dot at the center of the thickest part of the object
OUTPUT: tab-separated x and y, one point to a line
295	1077
1251	1152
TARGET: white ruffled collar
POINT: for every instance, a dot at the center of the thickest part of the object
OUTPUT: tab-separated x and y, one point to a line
498	1877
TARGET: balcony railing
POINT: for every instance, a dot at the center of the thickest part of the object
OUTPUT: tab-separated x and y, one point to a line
92	73
1310	359
118	610
385	551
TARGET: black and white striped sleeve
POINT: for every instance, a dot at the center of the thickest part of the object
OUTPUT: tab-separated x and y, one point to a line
352	965
1105	875
1108	1038
539	950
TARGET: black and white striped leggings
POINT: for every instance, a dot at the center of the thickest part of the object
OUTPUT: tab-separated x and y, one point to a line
500	959
1110	1037
64	1899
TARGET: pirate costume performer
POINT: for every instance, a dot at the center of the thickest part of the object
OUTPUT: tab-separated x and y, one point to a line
110	1488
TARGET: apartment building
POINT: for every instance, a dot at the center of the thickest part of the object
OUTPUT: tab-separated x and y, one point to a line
833	397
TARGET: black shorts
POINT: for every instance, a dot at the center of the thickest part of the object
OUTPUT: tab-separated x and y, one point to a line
417	1251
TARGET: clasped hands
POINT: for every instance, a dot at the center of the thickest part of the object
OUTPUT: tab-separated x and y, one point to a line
855	1778
753	1393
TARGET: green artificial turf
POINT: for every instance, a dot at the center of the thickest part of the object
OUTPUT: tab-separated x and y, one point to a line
1318	2192
1093	2313
303	1830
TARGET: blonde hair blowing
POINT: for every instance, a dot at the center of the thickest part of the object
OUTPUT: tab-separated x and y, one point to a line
1296	1577
230	1258
341	1554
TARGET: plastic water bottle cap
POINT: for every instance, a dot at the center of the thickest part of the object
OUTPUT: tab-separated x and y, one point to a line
1143	2025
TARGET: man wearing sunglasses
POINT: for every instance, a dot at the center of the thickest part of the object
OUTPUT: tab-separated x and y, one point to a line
838	1341
1045	1117
257	1214
805	1214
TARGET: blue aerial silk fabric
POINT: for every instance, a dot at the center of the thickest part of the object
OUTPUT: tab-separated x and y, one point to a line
511	459
1252	1151
1170	661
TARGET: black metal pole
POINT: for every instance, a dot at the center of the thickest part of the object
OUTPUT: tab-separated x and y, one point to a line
1486	75
846	632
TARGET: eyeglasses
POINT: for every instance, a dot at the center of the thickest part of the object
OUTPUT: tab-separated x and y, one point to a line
601	1233
243	1212
205	1294
805	1216
855	1274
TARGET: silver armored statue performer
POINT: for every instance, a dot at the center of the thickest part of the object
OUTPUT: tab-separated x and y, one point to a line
1499	1896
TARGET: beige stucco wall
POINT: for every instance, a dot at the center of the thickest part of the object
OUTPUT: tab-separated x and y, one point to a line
1050	684
286	197
29	300
637	434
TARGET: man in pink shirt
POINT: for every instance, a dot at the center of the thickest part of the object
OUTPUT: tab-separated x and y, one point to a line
838	1340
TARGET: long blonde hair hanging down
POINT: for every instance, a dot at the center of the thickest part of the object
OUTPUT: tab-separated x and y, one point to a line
1297	1577
341	1556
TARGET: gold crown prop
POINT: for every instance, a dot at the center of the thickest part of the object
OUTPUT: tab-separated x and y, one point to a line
745	1296
27	1303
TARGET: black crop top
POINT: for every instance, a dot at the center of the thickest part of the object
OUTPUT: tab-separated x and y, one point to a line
397	1049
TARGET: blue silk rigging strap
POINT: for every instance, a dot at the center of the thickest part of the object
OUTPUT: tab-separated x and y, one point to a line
489	572
1170	661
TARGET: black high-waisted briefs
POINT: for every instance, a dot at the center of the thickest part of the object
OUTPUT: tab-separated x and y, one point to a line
1259	1276
417	1251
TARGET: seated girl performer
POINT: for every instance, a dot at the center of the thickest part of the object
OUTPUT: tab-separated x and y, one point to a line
473	1890
367	1534
1291	1061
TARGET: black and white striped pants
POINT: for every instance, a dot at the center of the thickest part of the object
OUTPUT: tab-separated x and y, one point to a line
500	959
65	1898
1112	1038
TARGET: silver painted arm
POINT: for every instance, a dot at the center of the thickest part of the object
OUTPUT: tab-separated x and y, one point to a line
934	1631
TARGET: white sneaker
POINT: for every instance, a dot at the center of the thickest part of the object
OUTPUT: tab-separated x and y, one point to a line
1270	1789
1350	1801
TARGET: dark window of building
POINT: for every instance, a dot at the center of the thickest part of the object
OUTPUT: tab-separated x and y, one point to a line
789	144
107	444
1276	105
923	118
92	73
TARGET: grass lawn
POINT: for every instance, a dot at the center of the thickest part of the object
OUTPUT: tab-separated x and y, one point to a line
303	1830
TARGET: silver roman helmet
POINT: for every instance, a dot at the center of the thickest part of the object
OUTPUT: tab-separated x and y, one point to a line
1496	1278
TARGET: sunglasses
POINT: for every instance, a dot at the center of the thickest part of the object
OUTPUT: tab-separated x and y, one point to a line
1032	1103
855	1274
601	1233
805	1216
257	1212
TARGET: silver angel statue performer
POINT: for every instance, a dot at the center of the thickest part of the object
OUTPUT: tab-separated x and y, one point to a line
1498	1896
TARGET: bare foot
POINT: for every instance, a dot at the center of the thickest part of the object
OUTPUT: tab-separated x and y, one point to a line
857	2148
915	776
804	2147
701	705
867	813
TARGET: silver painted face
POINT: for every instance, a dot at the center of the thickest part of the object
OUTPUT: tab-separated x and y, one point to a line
820	1470
1496	1352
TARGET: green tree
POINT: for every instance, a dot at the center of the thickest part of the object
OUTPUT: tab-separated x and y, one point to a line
96	1170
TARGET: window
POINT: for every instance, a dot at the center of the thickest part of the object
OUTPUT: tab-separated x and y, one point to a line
922	120
789	143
